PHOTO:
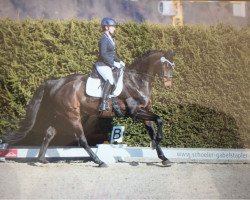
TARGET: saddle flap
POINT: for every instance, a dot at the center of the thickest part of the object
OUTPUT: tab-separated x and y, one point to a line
95	80
94	87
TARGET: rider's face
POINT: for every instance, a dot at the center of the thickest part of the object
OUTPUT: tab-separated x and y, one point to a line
111	29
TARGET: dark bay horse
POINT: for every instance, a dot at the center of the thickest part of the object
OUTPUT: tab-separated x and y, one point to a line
63	103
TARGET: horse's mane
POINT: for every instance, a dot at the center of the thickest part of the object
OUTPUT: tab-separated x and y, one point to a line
141	57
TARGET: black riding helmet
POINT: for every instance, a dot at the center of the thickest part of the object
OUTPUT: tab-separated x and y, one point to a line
107	21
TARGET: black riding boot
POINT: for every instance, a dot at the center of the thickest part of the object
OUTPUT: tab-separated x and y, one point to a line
105	97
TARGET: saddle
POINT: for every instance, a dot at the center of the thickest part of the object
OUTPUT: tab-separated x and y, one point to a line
95	84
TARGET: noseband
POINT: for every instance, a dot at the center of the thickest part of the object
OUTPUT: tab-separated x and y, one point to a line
165	61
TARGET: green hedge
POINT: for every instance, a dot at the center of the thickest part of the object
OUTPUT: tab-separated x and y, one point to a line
208	105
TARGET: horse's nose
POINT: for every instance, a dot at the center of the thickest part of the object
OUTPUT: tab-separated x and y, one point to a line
167	87
167	83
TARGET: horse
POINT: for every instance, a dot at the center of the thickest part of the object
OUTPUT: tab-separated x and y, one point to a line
63	103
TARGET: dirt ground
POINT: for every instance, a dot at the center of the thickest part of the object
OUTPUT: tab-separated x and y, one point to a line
128	180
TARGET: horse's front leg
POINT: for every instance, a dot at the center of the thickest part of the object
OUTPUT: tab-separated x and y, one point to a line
156	136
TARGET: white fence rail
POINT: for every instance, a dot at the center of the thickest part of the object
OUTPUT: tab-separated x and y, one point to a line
114	153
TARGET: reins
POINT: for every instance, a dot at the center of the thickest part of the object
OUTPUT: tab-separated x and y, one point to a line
141	73
147	75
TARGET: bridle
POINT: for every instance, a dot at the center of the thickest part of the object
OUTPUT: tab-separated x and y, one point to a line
163	60
165	63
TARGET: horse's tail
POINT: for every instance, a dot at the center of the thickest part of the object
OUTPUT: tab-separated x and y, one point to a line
28	123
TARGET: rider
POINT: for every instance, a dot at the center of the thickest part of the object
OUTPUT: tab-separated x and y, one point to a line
108	60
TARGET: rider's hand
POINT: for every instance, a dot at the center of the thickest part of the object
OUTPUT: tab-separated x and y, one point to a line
122	63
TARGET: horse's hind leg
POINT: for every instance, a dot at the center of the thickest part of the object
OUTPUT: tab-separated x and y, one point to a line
50	134
84	144
77	126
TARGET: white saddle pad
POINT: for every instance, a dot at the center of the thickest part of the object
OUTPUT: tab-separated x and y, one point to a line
94	88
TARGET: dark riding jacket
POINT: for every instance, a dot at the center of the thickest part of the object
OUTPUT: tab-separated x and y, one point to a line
107	53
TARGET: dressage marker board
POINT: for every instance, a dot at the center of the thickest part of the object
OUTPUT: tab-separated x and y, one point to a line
111	153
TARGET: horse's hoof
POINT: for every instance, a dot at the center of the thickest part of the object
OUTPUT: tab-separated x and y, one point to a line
166	162
103	165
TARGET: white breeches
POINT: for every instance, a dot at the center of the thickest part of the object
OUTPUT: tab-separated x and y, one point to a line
106	72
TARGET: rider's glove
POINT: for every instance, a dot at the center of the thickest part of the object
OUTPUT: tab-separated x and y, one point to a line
122	63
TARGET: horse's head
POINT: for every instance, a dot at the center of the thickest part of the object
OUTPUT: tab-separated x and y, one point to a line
164	67
155	62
